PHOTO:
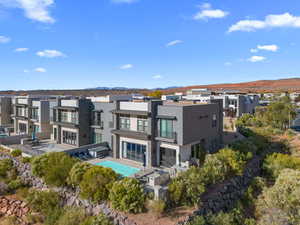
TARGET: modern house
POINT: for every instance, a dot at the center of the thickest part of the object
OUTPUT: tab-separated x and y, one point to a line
157	133
5	111
31	115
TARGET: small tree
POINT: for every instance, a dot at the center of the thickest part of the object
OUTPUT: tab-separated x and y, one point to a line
77	172
53	167
156	94
127	195
96	183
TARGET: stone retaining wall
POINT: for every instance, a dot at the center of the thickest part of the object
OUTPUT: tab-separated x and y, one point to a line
69	196
224	196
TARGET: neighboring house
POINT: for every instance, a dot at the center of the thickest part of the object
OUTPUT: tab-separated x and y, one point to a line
31	115
5	111
71	121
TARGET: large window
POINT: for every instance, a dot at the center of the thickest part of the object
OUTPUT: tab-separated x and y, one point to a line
125	123
21	111
133	151
69	138
97	138
68	116
142	125
35	113
166	128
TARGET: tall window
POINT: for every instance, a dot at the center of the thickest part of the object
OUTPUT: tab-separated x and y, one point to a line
69	138
142	125
97	138
35	113
166	128
133	151
97	118
22	128
214	120
125	123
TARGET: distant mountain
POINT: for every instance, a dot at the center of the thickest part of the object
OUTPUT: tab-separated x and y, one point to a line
281	85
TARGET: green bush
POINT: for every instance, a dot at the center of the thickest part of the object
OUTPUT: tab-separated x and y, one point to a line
282	199
127	195
71	216
53	167
16	153
274	163
47	203
5	166
26	160
255	188
77	172
96	183
15	184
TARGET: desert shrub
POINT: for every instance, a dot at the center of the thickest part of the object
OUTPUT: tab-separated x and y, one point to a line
77	172
26	160
53	167
16	152
11	220
101	219
274	163
127	195
22	192
71	216
47	203
96	183
283	199
5	166
15	184
157	207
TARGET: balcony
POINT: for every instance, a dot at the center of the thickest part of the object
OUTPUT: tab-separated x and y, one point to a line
166	136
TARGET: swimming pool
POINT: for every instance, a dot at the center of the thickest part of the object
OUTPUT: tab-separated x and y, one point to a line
122	169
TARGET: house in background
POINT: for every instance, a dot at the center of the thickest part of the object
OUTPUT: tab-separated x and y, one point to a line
31	115
70	119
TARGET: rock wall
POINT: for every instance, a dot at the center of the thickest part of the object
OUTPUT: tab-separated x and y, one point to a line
70	197
225	195
12	207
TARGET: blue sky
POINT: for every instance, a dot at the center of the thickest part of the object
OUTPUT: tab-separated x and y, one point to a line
57	44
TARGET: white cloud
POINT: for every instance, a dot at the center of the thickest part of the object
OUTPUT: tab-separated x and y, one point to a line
4	40
126	67
228	64
40	70
37	10
270	21
175	42
272	48
21	49
50	54
26	71
124	1
256	58
157	76
208	12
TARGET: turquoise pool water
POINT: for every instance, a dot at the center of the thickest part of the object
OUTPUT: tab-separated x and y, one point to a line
122	169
